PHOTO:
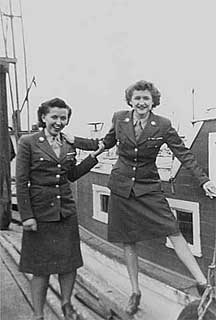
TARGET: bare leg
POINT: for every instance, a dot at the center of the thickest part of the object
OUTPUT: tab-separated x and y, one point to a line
66	282
132	265
183	252
39	285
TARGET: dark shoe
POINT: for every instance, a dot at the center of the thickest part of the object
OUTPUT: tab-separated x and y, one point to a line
133	303
201	288
69	312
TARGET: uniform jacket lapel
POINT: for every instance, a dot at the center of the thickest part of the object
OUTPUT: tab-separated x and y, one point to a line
44	145
126	126
64	149
150	129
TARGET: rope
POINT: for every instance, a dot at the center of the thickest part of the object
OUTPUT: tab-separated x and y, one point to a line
214	255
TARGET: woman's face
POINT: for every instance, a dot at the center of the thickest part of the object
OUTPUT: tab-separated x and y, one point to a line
56	119
142	102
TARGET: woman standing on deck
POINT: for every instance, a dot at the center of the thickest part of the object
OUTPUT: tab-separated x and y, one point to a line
138	209
50	244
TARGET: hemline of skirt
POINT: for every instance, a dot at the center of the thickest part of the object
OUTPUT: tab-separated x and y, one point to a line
116	239
48	270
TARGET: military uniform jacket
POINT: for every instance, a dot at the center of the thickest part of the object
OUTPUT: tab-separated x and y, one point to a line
42	179
135	168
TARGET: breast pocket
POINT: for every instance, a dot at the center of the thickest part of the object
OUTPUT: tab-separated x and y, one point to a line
40	157
154	143
41	161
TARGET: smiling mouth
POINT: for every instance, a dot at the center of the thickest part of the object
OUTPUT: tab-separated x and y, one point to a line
142	107
57	128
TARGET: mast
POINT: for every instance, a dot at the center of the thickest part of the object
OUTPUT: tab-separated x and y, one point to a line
4	36
17	111
25	65
15	67
9	77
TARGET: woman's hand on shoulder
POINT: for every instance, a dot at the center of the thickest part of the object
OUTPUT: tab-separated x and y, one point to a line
101	148
69	138
30	225
210	189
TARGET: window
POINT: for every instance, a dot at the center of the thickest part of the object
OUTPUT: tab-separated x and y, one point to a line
187	213
186	224
104	199
212	155
100	203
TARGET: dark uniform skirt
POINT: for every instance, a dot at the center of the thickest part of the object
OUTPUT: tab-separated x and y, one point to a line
140	218
54	248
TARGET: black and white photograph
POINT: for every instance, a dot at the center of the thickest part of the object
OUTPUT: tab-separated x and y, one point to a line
107	160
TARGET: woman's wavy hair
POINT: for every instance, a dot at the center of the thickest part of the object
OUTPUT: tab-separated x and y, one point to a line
44	108
143	85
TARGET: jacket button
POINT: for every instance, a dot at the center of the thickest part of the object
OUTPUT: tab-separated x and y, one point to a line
52	204
41	159
136	149
133	179
135	159
57	185
58	196
58	176
134	168
58	165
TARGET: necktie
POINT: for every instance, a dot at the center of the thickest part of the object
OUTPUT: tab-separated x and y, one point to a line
138	129
56	145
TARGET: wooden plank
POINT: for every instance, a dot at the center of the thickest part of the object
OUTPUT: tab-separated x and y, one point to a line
21	282
11	241
13	303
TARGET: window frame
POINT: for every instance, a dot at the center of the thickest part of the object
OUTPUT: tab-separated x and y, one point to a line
192	208
212	155
98	214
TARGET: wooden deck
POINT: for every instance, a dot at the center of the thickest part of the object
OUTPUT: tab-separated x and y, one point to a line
102	287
